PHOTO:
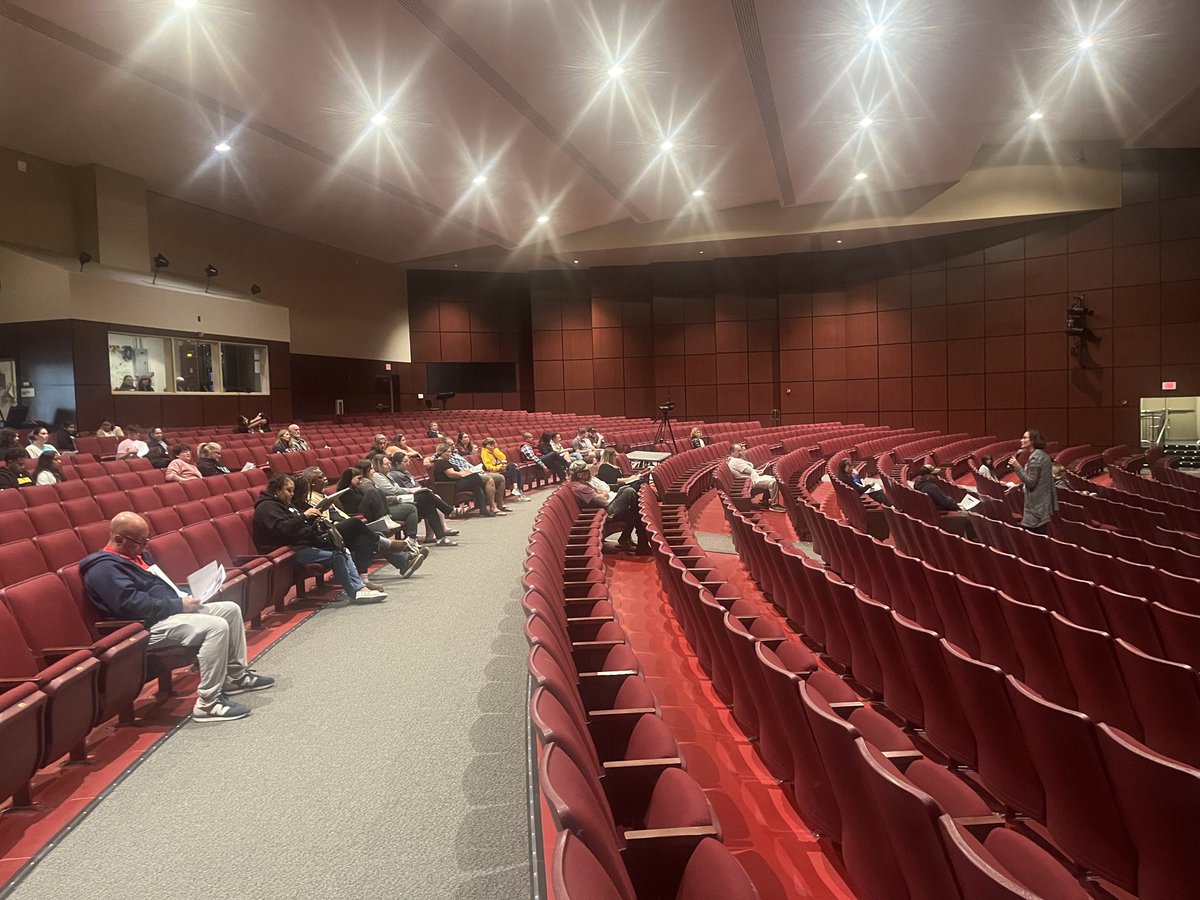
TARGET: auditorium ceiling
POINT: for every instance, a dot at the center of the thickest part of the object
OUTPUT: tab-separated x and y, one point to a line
536	133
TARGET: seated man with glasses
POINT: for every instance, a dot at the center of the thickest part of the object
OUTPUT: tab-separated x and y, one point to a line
123	582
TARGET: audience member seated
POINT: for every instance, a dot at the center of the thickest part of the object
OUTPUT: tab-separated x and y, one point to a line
553	453
257	425
180	468
209	462
495	462
108	430
596	437
610	473
49	468
847	475
400	444
378	445
299	444
433	431
464	446
570	454
484	489
463	464
283	442
65	440
758	481
145	383
621	505
1060	477
122	582
555	464
159	452
10	437
126	384
376	470
699	439
14	474
430	507
987	468
39	442
1037	477
928	483
278	524
582	445
133	445
361	541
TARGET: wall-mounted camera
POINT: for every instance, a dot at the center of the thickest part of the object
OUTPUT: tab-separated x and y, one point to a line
1077	325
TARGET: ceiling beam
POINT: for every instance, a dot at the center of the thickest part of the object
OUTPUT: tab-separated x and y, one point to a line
746	16
231	114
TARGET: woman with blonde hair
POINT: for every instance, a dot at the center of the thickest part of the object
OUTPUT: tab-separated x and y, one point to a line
209	460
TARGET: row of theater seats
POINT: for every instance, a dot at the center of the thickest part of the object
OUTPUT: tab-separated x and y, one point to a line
906	826
996	684
632	823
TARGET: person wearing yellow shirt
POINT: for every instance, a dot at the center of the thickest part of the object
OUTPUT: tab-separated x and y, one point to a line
495	462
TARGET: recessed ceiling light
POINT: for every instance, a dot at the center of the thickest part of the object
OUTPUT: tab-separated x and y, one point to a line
479	179
185	4
379	119
701	252
223	147
838	241
866	122
698	192
542	220
876	32
1087	43
616	71
666	146
1037	115
575	261
861	176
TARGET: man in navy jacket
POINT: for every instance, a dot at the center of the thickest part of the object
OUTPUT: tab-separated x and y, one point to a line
123	582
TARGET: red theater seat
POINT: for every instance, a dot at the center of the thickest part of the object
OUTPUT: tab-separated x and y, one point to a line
22	724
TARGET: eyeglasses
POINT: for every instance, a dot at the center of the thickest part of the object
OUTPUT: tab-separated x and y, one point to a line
140	543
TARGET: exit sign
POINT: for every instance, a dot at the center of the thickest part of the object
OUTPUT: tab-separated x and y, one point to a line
387	367
1168	385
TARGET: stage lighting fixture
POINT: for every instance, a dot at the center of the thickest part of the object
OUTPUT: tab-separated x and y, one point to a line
210	272
159	262
84	259
255	290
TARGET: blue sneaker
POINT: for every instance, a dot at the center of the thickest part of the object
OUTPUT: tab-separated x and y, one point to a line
250	681
221	710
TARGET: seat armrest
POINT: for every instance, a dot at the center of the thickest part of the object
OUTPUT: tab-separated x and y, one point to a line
629	783
902	759
657	857
845	707
598	690
108	626
584	629
980	826
54	654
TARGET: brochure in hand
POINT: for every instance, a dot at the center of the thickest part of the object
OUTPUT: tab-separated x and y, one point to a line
206	583
328	501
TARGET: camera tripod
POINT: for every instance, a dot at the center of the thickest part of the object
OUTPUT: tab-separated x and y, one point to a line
664	428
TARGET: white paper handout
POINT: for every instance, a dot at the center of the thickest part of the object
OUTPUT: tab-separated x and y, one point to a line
155	570
968	502
206	582
248	466
383	525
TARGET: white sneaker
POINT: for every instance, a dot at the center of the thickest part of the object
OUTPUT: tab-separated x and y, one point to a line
366	595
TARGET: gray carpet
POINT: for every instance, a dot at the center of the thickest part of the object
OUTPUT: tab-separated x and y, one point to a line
388	762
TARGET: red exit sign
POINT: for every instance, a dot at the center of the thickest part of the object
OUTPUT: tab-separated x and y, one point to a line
1168	385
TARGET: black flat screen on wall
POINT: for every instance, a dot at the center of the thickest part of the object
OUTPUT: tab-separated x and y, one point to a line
470	378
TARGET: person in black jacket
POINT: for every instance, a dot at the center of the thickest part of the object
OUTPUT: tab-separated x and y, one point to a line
930	485
159	453
14	474
277	523
122	582
209	460
65	441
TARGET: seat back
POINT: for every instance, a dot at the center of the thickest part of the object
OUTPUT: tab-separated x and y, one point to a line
578	875
46	613
1166	696
1091	664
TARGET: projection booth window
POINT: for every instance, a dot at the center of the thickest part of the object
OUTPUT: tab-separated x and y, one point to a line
137	362
244	368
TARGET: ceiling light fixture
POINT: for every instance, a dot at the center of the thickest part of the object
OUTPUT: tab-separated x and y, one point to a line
861	176
542	220
698	192
379	119
159	262
576	262
1087	43
615	71
838	241
185	4
666	146
479	179
876	32
866	122
1036	116
223	147
701	252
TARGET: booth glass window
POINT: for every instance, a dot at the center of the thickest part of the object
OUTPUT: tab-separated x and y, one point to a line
243	368
194	366
138	362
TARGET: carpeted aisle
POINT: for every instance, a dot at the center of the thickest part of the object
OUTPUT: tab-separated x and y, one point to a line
387	762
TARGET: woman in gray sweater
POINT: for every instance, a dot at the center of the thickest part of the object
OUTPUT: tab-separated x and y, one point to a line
1037	476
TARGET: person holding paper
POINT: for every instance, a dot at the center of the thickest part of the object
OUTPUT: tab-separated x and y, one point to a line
430	507
123	582
739	465
848	476
929	484
277	523
1037	477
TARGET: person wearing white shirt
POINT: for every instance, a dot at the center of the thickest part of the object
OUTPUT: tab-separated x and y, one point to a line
133	445
741	466
39	442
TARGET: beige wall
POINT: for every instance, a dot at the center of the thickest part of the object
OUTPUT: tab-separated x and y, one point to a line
341	304
56	208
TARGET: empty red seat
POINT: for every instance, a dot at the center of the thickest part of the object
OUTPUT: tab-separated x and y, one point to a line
1166	696
171	494
195	488
60	548
39	495
22	724
127	481
71	490
1005	866
93	536
18	561
192	511
163	520
83	510
15	526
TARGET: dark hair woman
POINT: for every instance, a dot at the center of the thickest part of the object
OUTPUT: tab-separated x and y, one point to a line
555	460
48	470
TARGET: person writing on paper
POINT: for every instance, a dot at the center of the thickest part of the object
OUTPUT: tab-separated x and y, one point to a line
848	476
741	466
1037	477
122	581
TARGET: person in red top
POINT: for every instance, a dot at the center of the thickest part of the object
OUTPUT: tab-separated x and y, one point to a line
122	582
